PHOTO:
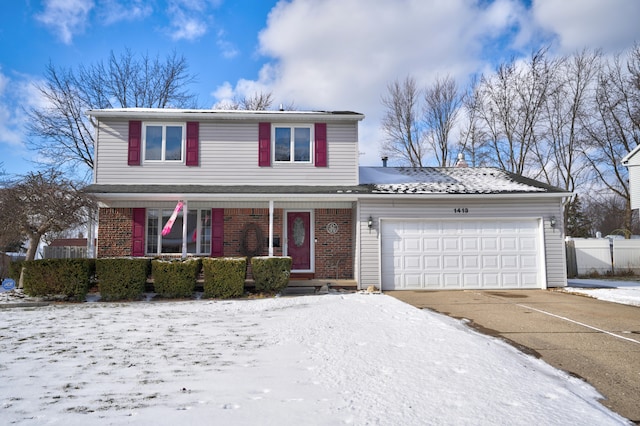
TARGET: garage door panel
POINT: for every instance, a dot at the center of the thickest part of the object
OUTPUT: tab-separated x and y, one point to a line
432	262
471	262
469	243
434	254
490	261
509	262
452	280
451	262
451	244
412	262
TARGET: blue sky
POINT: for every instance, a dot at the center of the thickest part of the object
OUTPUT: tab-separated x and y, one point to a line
316	54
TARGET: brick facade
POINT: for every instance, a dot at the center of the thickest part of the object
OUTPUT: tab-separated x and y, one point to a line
114	232
333	251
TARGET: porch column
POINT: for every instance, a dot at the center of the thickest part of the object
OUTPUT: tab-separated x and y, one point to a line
270	228
185	212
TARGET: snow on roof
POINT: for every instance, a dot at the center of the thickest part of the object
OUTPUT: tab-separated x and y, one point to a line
448	180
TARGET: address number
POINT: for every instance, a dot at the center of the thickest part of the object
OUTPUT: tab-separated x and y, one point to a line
461	210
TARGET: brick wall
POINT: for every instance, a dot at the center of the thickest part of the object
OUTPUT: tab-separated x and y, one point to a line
334	252
235	221
114	232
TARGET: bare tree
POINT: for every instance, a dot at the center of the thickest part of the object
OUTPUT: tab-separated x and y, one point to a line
259	101
442	102
400	123
473	135
42	203
512	110
613	131
60	130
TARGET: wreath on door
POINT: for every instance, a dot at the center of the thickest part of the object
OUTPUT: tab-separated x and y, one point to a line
251	230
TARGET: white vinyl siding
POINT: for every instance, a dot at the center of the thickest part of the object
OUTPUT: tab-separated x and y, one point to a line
228	156
553	238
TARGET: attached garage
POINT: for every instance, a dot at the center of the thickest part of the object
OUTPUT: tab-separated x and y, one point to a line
441	254
458	228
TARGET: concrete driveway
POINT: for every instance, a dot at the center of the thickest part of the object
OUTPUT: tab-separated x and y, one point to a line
589	338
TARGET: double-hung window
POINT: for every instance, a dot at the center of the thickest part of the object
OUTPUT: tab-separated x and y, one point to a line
198	237
163	142
293	144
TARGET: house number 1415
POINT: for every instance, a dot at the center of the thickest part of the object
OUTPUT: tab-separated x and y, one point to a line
461	210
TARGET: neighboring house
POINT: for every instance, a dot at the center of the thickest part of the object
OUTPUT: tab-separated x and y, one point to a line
288	183
632	162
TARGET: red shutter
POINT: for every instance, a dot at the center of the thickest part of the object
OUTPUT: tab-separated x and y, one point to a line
137	232
217	232
192	143
135	143
321	144
264	144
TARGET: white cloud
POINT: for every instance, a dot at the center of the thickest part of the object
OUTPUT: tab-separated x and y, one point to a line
341	54
606	24
190	18
227	48
66	17
335	54
113	11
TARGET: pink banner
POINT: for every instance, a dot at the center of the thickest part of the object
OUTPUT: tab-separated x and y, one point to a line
174	215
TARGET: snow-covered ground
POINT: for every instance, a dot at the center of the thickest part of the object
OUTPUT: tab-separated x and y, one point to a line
365	359
625	292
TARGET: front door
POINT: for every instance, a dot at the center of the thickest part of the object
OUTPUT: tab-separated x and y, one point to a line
299	240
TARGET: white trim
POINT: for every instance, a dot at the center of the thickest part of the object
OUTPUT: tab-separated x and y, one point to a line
196	114
292	127
163	153
312	238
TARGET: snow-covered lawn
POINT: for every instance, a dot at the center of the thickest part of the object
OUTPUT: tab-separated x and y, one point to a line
625	292
364	359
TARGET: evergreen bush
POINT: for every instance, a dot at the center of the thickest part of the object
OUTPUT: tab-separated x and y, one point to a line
123	278
175	278
59	277
271	274
224	276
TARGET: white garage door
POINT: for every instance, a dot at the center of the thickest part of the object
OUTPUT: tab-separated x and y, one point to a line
460	254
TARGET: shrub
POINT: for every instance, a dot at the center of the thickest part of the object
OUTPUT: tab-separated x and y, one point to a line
175	278
271	274
122	279
224	276
14	269
59	277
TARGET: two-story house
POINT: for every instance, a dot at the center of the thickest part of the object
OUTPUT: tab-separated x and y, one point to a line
288	183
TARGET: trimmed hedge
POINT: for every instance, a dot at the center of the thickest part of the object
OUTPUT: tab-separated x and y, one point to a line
59	277
122	279
175	278
15	268
271	274
224	276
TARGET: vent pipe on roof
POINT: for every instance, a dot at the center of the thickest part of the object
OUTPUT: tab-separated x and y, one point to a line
384	161
461	161
281	107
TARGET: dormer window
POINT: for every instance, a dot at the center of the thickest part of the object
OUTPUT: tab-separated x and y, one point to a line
163	142
292	144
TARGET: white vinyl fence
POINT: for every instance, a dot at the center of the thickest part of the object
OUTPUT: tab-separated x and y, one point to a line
586	256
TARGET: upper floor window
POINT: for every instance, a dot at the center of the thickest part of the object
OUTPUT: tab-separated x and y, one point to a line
292	144
163	142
